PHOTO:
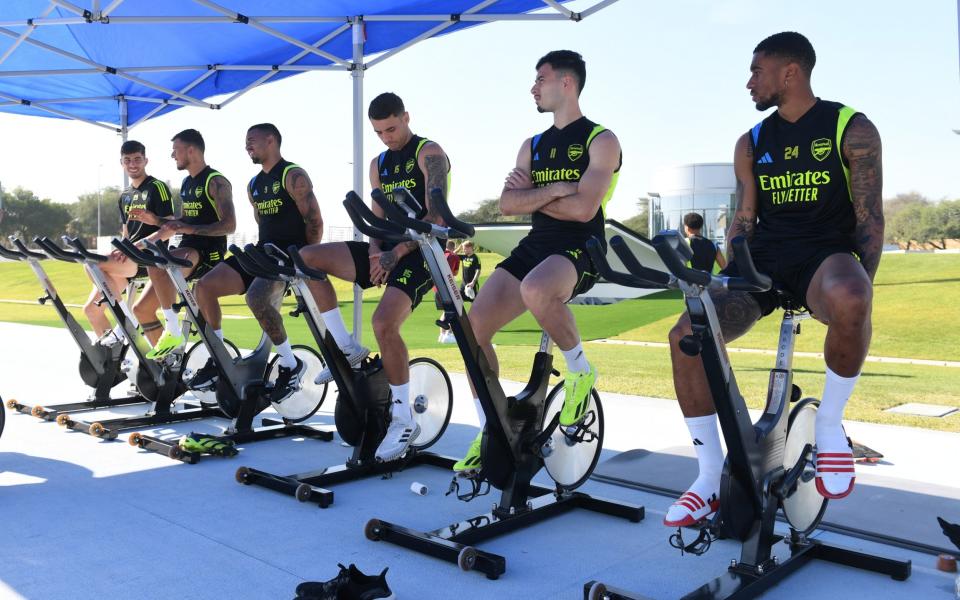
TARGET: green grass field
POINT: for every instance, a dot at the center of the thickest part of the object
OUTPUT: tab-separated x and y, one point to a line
914	312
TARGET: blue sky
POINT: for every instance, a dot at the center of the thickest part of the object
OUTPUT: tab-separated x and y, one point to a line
667	77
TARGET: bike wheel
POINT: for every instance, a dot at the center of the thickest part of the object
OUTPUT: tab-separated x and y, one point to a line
194	359
304	403
431	395
804	507
570	463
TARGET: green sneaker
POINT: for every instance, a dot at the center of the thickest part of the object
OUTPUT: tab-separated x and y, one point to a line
165	345
470	462
202	444
577	387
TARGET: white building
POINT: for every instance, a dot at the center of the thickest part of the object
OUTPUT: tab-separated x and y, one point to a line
705	188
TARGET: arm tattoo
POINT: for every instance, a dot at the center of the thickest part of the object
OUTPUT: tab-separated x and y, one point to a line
388	260
861	148
743	223
737	312
436	178
263	298
301	188
222	194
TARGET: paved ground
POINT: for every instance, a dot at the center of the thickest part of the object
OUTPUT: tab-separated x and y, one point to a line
93	519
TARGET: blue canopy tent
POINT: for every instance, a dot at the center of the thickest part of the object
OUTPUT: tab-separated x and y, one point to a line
118	63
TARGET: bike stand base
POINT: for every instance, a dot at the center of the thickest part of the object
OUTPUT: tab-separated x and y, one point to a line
271	429
312	485
51	412
108	429
743	581
455	543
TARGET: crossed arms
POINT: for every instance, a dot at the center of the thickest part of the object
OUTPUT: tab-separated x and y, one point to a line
563	200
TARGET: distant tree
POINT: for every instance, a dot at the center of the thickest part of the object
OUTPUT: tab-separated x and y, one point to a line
84	212
27	216
488	211
894	206
641	221
950	210
943	221
905	226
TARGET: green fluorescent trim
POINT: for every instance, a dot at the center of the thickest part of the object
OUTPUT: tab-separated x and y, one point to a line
846	113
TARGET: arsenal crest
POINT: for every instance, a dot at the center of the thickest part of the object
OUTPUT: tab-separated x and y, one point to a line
820	148
574	151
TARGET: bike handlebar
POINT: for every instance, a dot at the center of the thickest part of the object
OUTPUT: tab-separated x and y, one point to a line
750	279
163	252
310	272
51	249
439	203
10	253
370	224
454	228
253	266
270	259
141	257
595	249
632	264
675	252
23	252
397	216
82	250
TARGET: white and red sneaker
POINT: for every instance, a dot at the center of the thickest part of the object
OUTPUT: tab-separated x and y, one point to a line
690	509
837	466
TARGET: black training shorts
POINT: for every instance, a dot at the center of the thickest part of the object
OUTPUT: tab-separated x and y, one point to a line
210	255
530	253
791	266
410	276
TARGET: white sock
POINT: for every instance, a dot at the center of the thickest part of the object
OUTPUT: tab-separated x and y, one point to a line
706	441
829	426
117	332
400	408
171	322
836	392
334	322
218	333
576	360
480	413
287	359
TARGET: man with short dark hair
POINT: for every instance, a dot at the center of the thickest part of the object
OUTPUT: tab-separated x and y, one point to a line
287	214
563	178
705	251
809	184
417	165
145	192
207	217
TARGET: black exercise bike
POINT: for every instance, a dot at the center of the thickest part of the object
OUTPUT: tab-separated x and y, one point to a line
160	383
244	382
770	464
522	434
101	367
362	412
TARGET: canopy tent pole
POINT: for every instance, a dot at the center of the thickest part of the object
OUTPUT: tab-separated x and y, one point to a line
357	75
123	135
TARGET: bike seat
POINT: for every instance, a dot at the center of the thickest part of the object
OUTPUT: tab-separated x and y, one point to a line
787	300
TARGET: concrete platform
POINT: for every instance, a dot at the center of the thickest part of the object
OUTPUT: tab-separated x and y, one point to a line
92	519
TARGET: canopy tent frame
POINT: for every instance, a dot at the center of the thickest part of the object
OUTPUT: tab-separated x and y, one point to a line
169	97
